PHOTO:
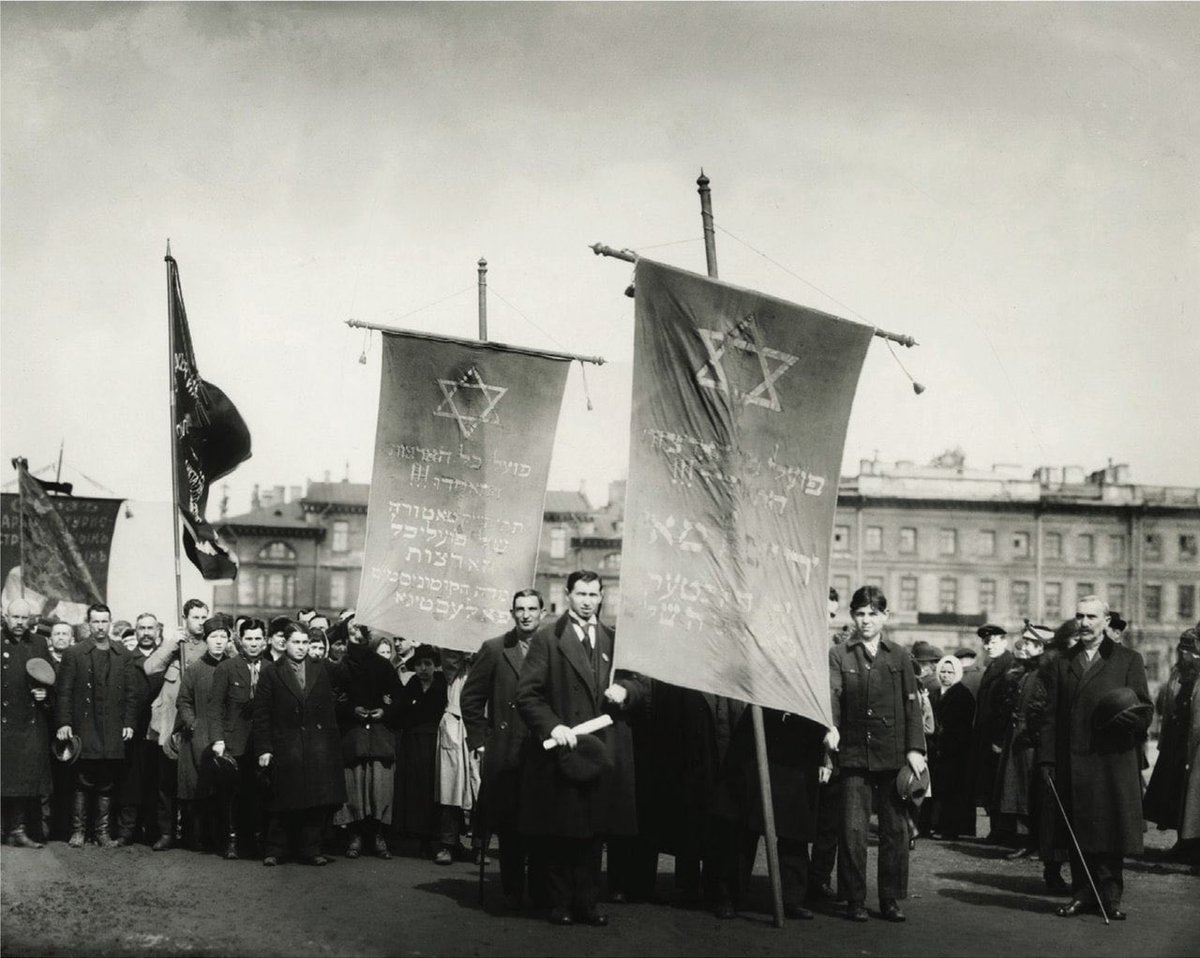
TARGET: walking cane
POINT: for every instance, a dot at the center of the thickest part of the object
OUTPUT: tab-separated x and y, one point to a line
1078	851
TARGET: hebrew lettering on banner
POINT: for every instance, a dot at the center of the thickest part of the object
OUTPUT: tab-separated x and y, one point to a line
739	418
462	453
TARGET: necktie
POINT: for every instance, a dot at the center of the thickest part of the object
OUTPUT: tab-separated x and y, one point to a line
254	677
588	638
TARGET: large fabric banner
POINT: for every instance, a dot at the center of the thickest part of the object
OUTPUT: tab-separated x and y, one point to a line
739	418
67	544
462	452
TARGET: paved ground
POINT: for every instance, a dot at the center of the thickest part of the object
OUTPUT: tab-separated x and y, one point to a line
966	900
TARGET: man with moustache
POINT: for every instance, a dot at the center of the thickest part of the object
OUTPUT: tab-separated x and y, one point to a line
25	777
581	791
496	733
96	700
164	667
231	718
1098	709
138	792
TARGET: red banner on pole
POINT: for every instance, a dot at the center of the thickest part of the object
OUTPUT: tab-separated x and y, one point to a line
462	453
740	409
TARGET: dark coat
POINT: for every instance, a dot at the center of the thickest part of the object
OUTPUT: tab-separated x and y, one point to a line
489	710
689	746
795	753
416	756
949	761
231	717
364	679
97	712
1097	773
875	706
299	728
560	686
134	777
991	725
24	734
1024	697
194	722
1164	800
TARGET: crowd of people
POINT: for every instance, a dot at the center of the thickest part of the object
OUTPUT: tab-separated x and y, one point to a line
300	738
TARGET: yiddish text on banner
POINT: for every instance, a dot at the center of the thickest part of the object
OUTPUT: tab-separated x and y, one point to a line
740	406
462	452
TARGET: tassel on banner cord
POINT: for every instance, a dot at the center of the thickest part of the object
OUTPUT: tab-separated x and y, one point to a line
586	395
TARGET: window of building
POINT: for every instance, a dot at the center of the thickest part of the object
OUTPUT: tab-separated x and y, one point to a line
558	543
987	595
841	538
948	543
1187	548
908	541
246	590
1085	548
1154	669
340	541
1020	545
1116	595
1116	549
1154	547
1052	545
337	590
1052	600
277	590
1152	603
277	552
873	539
987	542
1019	598
874	580
1083	589
842	584
611	561
947	594
1186	606
908	593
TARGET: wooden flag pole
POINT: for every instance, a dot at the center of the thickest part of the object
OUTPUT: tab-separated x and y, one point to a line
482	299
174	439
760	735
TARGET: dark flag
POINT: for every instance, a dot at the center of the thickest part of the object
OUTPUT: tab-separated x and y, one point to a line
211	439
740	409
52	558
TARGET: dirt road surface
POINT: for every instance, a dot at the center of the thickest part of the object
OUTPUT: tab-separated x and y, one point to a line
966	899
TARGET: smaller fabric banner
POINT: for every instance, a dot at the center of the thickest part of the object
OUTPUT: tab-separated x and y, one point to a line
67	542
739	417
211	439
462	454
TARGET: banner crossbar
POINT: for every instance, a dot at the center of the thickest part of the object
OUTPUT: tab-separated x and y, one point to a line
488	344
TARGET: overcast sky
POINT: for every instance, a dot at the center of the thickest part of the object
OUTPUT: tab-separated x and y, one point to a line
1013	185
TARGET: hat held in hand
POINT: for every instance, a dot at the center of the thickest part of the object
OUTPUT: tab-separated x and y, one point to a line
586	761
911	786
1120	708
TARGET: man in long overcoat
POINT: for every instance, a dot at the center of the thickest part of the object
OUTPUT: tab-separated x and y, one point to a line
582	790
25	740
96	700
1096	770
296	736
991	722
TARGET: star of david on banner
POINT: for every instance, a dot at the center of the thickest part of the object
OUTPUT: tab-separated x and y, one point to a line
452	390
712	374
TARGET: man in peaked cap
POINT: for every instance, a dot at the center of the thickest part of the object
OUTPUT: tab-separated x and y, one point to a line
1092	763
991	721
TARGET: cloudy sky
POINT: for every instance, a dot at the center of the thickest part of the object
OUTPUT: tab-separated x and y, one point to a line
1013	185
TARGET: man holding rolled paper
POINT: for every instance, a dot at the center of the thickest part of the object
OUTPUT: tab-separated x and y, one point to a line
580	790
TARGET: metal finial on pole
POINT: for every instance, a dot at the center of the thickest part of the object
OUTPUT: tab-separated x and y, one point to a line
710	237
482	298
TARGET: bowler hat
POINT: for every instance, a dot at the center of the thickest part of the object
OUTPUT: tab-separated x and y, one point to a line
1116	623
985	632
67	750
965	653
40	671
586	761
225	767
911	786
1117	707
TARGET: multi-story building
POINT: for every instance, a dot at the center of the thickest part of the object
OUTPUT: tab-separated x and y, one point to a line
297	550
577	536
953	548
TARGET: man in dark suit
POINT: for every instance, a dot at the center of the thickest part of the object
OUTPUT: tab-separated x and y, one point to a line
1091	754
494	729
231	720
296	736
991	724
25	777
582	790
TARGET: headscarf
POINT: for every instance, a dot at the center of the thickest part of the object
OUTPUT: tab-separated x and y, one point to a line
958	670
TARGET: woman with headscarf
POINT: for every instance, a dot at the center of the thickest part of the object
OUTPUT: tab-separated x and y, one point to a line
950	763
367	707
318	644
